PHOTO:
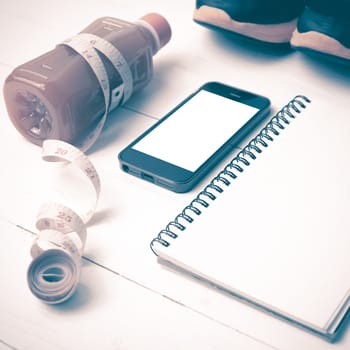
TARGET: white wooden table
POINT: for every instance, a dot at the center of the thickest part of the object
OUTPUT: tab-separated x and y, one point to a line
125	299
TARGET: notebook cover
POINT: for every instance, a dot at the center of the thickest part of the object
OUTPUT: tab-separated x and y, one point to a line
278	236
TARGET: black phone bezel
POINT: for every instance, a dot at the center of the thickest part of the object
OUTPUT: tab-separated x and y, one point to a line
176	178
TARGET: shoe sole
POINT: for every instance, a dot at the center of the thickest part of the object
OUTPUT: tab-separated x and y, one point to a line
280	33
319	42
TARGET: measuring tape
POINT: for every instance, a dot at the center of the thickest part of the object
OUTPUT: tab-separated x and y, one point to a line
88	46
54	272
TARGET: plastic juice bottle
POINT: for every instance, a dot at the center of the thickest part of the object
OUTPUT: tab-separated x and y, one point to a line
58	95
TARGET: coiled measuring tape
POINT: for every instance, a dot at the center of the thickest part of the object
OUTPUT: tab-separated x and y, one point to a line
54	272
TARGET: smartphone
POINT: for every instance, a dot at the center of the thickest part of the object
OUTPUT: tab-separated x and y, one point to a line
183	146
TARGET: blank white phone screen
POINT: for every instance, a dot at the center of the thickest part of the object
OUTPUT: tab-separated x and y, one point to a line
196	130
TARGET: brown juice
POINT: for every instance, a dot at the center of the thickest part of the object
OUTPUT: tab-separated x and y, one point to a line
57	95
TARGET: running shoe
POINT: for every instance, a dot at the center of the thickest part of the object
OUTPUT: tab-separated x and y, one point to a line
271	21
324	27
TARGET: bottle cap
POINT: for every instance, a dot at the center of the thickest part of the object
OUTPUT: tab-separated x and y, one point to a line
160	25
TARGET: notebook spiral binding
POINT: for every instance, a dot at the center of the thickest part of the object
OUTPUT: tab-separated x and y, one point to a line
236	165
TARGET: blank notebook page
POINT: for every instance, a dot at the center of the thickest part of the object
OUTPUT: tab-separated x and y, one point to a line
280	233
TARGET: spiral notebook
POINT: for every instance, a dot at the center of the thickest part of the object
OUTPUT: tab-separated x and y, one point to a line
272	228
